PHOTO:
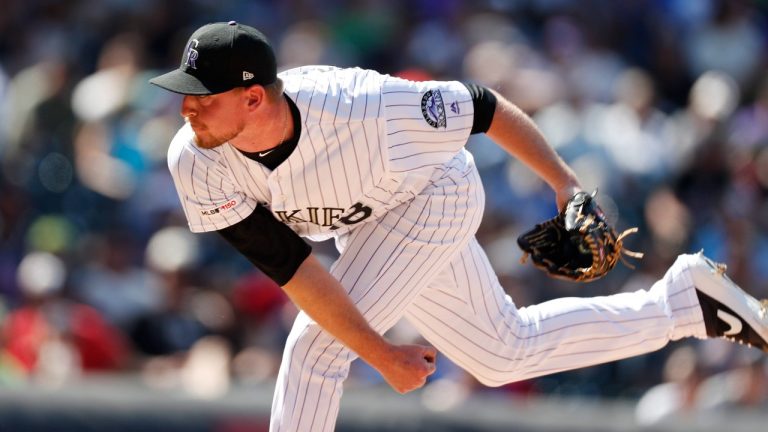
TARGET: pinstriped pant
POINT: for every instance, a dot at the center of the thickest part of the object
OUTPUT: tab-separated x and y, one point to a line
422	262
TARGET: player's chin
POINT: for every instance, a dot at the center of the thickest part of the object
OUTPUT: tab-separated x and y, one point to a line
207	142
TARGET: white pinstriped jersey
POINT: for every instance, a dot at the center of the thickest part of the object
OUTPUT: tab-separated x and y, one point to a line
368	143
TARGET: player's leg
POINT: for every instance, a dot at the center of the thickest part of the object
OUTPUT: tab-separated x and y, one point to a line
467	316
383	266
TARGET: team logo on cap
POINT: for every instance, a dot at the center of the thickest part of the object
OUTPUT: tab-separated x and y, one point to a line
432	109
192	54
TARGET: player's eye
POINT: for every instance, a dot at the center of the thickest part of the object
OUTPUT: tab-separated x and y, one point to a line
204	99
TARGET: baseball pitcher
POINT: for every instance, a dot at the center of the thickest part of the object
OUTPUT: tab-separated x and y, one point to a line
378	163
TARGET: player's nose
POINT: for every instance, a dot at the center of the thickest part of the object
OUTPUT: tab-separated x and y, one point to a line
187	107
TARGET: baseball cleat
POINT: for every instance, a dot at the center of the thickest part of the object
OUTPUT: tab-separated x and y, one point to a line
729	312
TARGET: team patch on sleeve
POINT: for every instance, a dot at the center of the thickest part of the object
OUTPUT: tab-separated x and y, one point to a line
433	109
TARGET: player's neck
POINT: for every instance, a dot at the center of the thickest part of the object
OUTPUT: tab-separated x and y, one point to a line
266	129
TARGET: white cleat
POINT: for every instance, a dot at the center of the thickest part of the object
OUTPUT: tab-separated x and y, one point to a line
728	311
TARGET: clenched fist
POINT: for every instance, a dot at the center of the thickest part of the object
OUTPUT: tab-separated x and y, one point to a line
406	367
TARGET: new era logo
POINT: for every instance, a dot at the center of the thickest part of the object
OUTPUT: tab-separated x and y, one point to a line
247	75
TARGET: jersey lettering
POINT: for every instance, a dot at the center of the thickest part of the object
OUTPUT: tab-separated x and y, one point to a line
289	218
330	215
313	215
360	213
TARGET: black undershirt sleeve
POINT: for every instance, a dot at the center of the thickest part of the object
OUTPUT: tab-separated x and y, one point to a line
269	244
484	102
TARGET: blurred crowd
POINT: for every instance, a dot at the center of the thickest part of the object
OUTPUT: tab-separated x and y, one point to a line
660	105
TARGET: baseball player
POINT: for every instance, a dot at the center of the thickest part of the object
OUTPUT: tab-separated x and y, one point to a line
378	164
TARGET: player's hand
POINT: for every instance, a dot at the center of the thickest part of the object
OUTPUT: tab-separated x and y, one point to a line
564	193
406	367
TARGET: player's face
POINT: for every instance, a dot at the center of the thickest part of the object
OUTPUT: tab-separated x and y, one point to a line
215	119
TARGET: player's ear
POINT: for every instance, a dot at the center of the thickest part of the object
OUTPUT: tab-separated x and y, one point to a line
255	96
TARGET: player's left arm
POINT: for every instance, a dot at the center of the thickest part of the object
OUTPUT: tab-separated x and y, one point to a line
515	132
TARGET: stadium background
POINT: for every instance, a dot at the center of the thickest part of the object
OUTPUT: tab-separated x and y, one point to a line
113	314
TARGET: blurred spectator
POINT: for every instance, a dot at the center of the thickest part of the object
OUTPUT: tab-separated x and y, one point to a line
690	387
265	316
728	42
677	395
113	283
51	338
107	159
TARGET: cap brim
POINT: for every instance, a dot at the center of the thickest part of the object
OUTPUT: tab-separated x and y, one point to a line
181	82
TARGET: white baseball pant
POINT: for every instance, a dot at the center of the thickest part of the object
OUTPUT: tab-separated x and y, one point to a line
421	261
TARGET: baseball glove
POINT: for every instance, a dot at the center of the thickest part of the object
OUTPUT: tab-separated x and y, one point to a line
578	244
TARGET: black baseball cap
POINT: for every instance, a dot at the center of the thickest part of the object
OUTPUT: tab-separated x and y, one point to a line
220	57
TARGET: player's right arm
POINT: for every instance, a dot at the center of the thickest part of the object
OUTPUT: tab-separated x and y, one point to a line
323	298
285	257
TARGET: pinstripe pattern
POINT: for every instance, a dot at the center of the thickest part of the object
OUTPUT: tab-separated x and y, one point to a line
501	344
412	145
383	266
